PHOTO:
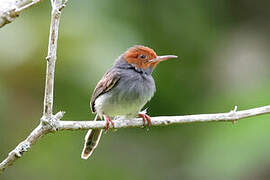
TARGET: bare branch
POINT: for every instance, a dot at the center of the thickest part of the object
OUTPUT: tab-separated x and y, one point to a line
165	120
48	122
56	124
57	6
10	9
23	147
34	136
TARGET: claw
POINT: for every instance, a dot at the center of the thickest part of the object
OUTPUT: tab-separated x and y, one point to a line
108	121
145	118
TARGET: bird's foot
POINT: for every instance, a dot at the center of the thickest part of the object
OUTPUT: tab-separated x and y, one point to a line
145	118
108	121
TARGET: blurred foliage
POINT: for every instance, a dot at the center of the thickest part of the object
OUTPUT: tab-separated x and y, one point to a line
224	61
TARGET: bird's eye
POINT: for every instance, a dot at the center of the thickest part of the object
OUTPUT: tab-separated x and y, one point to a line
142	56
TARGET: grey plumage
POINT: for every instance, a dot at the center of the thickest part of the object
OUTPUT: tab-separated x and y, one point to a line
130	93
125	97
124	90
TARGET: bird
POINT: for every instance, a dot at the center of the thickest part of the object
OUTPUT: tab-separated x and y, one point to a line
123	91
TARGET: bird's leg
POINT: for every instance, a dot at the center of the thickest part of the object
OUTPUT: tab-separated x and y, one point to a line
108	121
145	118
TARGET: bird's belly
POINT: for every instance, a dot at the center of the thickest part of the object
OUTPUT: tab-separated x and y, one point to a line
126	99
107	105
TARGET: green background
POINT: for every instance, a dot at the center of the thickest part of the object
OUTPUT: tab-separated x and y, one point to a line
223	48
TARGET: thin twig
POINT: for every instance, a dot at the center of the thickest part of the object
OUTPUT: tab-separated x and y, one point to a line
51	58
10	9
23	147
20	9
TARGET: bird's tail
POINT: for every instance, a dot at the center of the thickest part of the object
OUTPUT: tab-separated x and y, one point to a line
91	141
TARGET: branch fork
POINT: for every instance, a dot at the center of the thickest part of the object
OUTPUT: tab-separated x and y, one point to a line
52	121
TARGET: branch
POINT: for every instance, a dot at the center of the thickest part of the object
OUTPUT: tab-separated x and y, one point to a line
48	120
232	116
57	6
23	147
56	125
10	9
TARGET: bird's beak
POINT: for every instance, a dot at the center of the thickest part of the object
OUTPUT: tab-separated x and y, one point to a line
162	58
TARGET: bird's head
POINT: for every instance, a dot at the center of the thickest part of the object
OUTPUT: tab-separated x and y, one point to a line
144	57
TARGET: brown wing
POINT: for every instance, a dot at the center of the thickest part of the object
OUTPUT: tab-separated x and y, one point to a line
104	85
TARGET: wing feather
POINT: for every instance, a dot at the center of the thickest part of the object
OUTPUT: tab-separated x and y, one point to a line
107	82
